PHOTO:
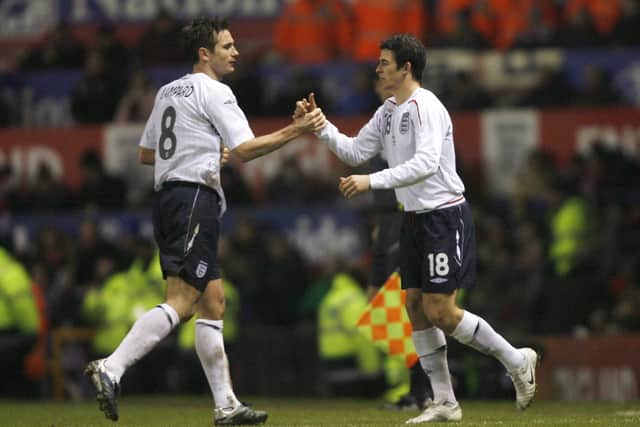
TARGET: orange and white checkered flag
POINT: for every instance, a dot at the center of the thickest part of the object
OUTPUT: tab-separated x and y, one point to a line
386	323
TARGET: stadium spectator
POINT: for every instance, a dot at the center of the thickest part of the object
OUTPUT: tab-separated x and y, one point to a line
352	364
137	102
598	90
580	31
230	177
541	29
116	55
58	49
47	192
571	225
462	26
374	20
283	273
248	85
516	18
96	258
288	184
159	44
625	32
299	81
553	90
200	112
19	323
313	31
244	252
465	93
603	13
7	112
7	192
95	97
99	188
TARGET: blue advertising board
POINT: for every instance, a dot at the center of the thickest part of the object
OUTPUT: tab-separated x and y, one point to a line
26	18
319	232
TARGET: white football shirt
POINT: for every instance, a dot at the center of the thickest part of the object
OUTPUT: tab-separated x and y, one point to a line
416	138
192	118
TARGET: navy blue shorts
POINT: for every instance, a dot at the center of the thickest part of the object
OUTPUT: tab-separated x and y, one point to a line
438	250
186	227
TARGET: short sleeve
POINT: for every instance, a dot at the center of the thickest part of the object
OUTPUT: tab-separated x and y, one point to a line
224	113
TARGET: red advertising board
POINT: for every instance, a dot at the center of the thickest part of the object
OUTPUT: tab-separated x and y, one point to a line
562	133
60	149
593	368
565	132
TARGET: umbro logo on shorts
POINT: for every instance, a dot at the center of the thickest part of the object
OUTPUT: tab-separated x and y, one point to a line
439	280
201	269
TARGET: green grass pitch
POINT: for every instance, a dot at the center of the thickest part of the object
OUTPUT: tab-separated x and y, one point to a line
170	411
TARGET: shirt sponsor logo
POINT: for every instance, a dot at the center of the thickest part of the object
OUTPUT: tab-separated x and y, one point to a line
404	123
201	269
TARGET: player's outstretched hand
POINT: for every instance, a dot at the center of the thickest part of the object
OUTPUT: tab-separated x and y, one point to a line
301	109
312	101
353	185
305	105
224	156
311	122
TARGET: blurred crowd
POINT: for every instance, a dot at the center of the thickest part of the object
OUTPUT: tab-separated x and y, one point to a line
557	255
116	84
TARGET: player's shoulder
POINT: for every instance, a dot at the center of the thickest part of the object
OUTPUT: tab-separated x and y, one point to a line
424	99
388	105
424	96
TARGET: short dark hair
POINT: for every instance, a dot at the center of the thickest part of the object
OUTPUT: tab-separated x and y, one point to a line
407	48
201	32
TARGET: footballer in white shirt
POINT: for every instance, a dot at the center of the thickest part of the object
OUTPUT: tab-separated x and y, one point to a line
193	119
414	132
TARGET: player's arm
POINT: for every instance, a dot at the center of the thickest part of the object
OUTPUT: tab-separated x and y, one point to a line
429	129
146	156
223	112
148	140
261	145
353	150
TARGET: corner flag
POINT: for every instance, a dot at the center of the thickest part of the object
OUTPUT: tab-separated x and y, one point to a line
386	323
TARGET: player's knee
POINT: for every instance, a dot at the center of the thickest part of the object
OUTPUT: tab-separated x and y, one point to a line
414	306
439	314
437	317
212	307
183	308
186	312
185	317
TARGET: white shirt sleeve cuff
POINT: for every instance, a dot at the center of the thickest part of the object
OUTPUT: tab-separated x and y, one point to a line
376	182
325	132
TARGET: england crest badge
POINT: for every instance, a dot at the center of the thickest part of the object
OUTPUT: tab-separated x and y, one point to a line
201	269
404	123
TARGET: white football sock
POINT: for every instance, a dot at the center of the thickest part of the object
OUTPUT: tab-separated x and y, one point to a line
475	332
210	349
431	346
151	328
